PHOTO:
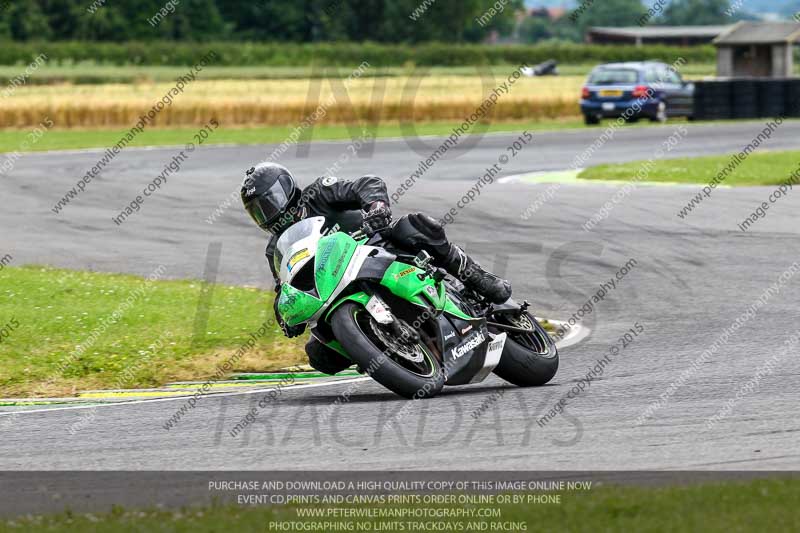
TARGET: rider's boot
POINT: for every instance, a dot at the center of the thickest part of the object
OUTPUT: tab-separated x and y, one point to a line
466	269
324	359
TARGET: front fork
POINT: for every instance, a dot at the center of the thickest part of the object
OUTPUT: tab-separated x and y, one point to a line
382	314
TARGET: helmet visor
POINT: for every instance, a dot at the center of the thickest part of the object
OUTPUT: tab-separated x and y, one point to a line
267	207
256	213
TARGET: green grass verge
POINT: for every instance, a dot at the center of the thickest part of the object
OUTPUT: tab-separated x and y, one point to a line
92	73
89	73
762	506
47	313
761	168
76	139
57	310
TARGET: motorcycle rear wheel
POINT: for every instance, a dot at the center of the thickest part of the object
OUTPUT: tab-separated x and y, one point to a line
354	328
529	359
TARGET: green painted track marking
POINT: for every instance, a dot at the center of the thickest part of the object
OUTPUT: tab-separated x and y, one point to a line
299	375
562	176
189	389
185	388
32	402
570	177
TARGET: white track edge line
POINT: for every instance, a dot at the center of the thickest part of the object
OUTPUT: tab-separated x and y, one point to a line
576	334
183	398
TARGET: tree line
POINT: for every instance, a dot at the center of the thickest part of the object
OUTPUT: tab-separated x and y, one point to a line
299	21
631	13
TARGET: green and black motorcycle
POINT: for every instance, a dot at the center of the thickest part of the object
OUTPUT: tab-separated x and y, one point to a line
408	325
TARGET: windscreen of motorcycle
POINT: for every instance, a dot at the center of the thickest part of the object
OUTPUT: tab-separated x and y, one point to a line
297	246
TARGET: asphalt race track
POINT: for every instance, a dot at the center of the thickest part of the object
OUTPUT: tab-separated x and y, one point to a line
692	279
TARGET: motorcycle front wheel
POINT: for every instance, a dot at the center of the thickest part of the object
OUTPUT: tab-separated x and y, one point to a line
409	370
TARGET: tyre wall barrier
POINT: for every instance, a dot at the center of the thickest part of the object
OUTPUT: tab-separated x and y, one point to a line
746	98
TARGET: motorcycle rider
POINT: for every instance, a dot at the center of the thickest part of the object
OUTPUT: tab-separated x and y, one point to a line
275	202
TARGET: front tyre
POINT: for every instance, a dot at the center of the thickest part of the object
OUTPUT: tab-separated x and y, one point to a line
529	359
409	370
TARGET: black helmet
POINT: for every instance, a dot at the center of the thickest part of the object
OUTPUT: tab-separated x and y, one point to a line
270	196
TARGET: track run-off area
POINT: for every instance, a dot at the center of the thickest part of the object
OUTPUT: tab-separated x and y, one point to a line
692	311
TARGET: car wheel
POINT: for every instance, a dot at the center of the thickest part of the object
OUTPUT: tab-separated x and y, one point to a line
591	120
661	113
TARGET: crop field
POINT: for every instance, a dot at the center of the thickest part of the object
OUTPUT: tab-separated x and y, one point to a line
289	101
85	95
440	96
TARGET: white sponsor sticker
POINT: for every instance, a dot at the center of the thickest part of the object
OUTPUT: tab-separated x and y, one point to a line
473	342
379	311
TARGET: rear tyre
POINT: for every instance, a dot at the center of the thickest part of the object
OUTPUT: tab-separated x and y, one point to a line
375	350
529	359
661	113
591	120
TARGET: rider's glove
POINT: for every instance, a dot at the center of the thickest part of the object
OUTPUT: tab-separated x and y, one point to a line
377	218
289	331
292	331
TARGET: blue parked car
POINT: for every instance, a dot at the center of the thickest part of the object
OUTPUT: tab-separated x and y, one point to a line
614	88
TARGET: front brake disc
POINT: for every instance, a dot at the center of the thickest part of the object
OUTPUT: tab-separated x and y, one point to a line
412	353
